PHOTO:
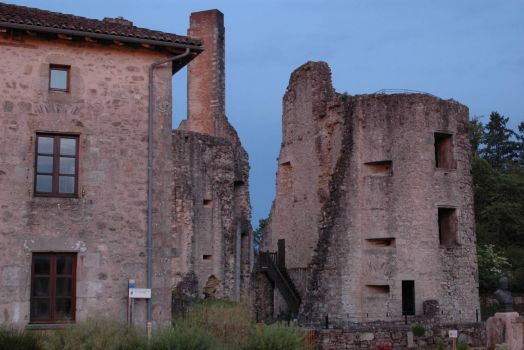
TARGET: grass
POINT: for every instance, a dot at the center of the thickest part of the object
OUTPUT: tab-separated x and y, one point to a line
209	325
277	336
96	335
17	339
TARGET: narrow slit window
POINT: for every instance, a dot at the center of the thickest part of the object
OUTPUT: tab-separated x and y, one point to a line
447	226
208	203
59	78
444	151
207	257
383	167
378	289
408	298
381	242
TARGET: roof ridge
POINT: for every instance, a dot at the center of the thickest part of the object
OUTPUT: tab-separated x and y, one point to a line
25	15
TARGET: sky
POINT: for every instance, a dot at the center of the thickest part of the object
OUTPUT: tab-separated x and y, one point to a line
468	50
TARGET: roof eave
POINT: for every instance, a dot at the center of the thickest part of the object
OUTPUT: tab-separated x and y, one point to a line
124	39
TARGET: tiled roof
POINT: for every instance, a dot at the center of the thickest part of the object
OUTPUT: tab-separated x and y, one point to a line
41	20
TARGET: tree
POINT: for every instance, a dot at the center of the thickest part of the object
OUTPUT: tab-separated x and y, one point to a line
500	150
258	233
498	183
492	265
476	134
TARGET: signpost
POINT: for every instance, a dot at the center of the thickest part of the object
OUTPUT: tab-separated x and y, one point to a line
133	294
453	334
139	293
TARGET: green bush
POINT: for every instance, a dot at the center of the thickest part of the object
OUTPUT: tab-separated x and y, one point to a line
462	346
440	345
418	330
230	323
16	339
96	335
277	336
182	338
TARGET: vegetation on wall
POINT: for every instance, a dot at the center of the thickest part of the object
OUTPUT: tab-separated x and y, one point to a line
498	177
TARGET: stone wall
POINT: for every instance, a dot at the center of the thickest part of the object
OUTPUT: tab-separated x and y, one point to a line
212	211
358	200
210	230
400	337
106	224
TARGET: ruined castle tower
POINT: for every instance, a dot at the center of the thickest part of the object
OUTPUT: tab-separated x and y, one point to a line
374	204
212	210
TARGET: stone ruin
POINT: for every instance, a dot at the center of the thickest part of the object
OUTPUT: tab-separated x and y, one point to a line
373	216
212	209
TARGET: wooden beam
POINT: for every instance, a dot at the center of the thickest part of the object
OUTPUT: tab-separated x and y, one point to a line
64	37
30	33
89	39
119	43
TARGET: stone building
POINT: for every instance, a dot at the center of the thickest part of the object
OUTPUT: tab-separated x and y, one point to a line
96	188
373	212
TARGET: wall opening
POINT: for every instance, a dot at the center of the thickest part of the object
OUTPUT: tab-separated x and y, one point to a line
447	226
238	183
281	256
208	203
408	297
377	289
381	242
444	151
207	257
383	167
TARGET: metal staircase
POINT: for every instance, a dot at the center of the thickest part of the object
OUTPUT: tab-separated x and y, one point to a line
275	269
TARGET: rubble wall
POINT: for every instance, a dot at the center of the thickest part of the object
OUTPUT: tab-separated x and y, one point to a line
211	229
212	211
358	197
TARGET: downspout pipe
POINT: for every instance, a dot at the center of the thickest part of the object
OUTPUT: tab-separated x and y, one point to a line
150	158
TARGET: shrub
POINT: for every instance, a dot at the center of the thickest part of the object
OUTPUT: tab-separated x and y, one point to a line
440	345
182	338
16	339
96	335
276	337
462	346
418	330
230	323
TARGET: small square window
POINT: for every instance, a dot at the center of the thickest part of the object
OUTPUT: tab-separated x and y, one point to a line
59	77
56	165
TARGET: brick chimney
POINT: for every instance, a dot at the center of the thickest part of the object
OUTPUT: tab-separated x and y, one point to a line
206	73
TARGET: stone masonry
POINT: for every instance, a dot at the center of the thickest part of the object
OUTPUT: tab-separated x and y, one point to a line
374	190
201	211
212	208
106	224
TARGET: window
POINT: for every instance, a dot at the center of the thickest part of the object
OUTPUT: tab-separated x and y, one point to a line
56	165
381	242
383	167
53	287
59	78
444	151
447	226
408	297
377	289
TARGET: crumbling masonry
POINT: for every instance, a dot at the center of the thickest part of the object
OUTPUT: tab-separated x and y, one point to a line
374	205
